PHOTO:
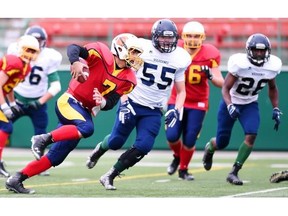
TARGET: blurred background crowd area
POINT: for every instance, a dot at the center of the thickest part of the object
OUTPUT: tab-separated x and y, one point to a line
227	34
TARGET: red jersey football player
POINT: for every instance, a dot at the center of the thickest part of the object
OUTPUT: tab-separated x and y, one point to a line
13	70
110	77
204	67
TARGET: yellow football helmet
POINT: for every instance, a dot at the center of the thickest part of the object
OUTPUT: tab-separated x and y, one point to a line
28	48
193	34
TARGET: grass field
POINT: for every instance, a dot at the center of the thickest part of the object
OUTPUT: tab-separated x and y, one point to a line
148	179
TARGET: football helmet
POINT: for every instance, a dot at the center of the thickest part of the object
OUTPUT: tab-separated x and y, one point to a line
127	47
39	33
164	35
258	49
193	34
28	48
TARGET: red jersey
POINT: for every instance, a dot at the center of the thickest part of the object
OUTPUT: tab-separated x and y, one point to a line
16	69
103	75
196	82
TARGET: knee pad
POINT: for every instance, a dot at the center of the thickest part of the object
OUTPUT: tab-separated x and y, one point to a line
130	157
222	142
86	129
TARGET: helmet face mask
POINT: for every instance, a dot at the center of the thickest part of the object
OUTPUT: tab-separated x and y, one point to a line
164	35
127	47
39	33
28	48
193	34
258	49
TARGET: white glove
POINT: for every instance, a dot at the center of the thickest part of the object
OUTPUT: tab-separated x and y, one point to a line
125	112
171	117
7	110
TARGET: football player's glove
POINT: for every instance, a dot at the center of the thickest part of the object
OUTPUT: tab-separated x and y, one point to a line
125	112
171	117
35	104
7	110
276	117
17	111
233	111
207	71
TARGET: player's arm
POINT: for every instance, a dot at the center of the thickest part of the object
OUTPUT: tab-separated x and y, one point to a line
3	79
75	51
228	83
218	79
181	95
273	93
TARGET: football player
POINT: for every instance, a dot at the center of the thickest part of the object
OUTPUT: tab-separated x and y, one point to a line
164	65
204	68
42	84
110	76
13	70
248	73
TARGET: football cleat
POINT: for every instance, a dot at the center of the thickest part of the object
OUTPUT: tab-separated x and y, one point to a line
184	175
279	176
3	171
234	179
39	143
171	169
94	157
14	183
107	179
207	157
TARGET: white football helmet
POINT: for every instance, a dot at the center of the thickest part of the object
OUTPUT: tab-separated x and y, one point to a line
127	47
193	34
28	48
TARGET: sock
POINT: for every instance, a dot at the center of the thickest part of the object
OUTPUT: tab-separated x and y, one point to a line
3	140
37	166
243	153
185	157
65	132
176	147
104	144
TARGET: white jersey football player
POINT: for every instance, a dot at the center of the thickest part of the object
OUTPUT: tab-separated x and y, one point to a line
164	66
247	75
42	84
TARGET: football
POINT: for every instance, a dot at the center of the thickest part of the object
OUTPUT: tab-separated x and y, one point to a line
85	72
84	76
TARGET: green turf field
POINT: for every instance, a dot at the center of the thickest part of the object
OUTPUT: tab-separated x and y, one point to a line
149	179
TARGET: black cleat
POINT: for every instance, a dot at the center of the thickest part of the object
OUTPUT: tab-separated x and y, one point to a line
233	179
14	183
207	157
3	171
279	176
171	169
184	175
94	157
39	143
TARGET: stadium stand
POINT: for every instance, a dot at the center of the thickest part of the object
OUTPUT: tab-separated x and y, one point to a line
228	34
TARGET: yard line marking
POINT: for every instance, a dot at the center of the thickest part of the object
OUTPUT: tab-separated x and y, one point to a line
255	192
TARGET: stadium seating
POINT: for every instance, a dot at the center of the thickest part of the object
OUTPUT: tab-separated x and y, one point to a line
228	34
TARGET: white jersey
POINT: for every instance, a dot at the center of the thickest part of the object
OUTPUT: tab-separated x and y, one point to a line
158	74
251	79
36	83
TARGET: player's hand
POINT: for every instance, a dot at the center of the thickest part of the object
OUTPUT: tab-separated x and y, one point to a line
276	117
7	111
233	111
125	112
98	98
34	104
171	117
17	111
207	71
76	69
